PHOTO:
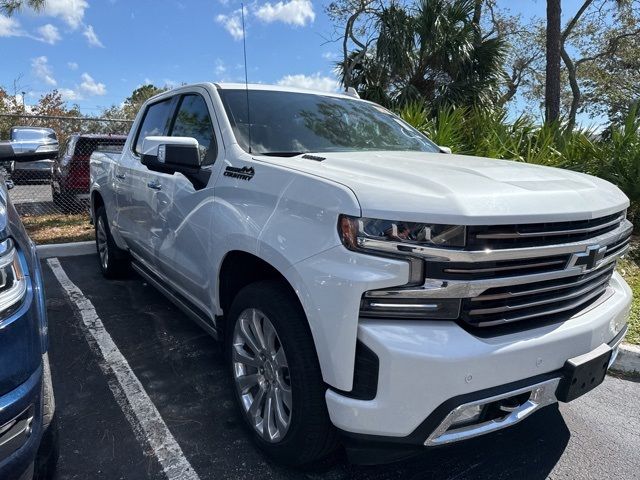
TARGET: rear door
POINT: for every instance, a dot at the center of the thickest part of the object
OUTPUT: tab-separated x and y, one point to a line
139	202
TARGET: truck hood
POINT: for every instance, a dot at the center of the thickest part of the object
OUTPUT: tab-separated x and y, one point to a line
459	189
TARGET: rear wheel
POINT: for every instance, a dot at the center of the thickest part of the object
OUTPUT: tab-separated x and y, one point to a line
276	376
114	262
62	201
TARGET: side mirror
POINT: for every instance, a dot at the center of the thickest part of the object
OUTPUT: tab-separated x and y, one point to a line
446	150
175	154
34	143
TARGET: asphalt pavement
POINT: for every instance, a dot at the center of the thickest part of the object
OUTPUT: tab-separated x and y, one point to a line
166	364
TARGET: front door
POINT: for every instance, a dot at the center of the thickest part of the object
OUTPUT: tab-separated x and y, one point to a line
183	228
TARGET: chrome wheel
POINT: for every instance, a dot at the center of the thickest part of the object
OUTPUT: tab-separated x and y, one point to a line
101	239
261	375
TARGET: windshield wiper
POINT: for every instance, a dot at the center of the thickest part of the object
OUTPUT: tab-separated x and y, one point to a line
282	154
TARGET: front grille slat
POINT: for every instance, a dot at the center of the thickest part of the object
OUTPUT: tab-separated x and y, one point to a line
539	234
539	301
550	286
546	233
498	269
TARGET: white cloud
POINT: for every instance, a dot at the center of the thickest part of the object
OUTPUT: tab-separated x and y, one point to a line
91	36
220	68
90	87
69	95
72	65
42	70
330	56
70	11
311	82
10	27
294	12
232	23
49	34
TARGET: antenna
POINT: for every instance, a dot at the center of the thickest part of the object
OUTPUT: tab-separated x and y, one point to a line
246	76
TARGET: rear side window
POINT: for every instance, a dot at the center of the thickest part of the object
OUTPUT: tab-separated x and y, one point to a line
193	120
155	122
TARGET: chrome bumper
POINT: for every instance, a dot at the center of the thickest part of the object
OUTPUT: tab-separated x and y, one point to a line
540	395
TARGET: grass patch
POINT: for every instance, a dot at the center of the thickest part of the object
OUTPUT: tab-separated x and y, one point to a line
58	228
629	268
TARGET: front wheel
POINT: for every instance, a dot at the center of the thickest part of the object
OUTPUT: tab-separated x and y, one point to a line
276	376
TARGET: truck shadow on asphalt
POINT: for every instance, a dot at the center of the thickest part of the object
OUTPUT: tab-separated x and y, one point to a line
184	374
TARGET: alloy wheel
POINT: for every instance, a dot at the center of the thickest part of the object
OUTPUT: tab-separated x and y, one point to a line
103	247
261	375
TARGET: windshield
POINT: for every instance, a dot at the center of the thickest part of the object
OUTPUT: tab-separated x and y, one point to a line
291	123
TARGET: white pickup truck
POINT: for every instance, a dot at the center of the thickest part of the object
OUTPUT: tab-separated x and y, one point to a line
370	288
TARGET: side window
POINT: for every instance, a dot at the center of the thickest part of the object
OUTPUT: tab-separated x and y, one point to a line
193	120
155	122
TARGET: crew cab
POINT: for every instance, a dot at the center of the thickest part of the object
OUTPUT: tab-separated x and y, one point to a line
370	288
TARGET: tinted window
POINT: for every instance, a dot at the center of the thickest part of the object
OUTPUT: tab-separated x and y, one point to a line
193	120
155	122
285	122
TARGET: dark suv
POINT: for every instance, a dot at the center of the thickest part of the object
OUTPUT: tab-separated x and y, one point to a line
70	172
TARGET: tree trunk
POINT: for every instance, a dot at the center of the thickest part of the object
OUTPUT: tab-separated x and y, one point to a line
554	39
575	89
477	13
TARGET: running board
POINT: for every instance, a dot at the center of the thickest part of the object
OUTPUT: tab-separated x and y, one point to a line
177	299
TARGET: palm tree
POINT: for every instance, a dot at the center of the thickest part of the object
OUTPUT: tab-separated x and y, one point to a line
10	6
433	54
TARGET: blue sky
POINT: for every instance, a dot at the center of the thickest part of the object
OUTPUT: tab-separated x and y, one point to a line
96	52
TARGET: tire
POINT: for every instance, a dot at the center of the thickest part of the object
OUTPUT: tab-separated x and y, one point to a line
62	201
48	452
114	262
308	437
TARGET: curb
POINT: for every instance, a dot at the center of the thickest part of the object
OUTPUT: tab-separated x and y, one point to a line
66	249
628	360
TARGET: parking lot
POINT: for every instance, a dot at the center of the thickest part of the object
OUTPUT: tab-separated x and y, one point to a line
142	393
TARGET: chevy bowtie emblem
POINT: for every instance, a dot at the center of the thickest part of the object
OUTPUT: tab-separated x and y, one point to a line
244	173
589	259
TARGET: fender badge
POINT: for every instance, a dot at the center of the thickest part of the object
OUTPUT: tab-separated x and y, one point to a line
244	173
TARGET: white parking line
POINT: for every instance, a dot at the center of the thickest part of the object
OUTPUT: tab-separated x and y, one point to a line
140	411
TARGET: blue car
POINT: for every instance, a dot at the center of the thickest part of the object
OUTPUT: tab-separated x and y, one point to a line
28	447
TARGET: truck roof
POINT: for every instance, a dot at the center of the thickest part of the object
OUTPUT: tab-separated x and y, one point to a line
279	88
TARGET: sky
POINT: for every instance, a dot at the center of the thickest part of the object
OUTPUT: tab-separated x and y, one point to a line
96	52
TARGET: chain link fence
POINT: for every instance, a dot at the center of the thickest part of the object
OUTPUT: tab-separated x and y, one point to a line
60	186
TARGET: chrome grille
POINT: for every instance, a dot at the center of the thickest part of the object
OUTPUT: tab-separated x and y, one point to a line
577	283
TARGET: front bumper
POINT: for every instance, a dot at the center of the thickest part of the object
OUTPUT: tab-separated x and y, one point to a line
21	416
426	367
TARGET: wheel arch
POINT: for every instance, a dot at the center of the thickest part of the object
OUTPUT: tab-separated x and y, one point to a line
240	268
96	202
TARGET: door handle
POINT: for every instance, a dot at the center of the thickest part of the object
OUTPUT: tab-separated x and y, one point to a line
154	185
120	176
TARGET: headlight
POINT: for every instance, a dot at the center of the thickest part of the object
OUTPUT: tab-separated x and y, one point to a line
399	239
363	233
13	284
